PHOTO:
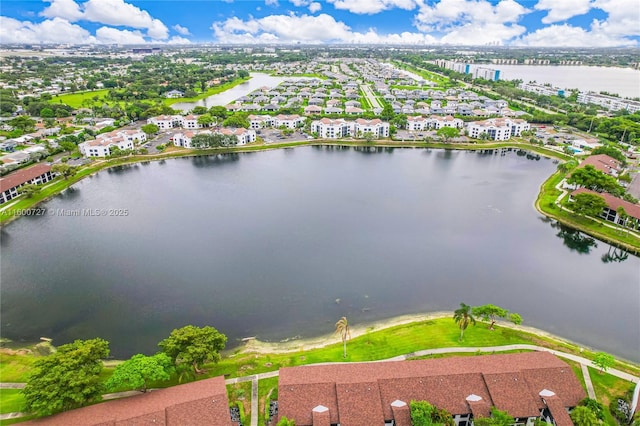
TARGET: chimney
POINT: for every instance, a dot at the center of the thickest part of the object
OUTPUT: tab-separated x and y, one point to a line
401	413
321	416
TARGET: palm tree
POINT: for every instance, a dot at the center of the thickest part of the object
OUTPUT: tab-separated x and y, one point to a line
342	328
463	318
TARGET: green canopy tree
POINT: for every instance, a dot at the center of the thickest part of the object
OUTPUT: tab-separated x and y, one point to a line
491	313
603	361
194	345
588	204
498	418
239	119
425	414
583	416
64	170
342	328
29	190
447	133
150	129
463	316
67	379
138	371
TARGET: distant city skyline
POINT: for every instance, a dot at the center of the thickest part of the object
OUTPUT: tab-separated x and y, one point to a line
550	23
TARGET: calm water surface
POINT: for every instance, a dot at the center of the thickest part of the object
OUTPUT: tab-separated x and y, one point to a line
622	81
263	244
257	81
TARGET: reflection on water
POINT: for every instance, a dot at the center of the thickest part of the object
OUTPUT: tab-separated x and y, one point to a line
215	160
575	240
615	254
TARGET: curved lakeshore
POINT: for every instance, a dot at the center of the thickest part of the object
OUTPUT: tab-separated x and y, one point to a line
59	185
503	182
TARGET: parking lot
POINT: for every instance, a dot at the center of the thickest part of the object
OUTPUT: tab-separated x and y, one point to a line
276	136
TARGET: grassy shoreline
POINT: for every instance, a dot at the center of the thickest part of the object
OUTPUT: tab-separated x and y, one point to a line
542	203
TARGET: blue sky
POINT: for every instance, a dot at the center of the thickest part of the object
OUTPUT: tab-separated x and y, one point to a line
579	23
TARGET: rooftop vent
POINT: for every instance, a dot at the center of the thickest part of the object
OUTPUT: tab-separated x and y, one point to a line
474	398
546	393
320	409
397	403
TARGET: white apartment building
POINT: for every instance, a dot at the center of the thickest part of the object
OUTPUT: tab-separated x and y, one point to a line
610	102
433	122
289	121
103	144
499	129
244	136
333	129
165	122
261	121
376	127
189	122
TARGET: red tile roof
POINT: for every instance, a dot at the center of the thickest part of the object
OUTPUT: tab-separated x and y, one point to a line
602	162
21	176
613	202
510	382
199	403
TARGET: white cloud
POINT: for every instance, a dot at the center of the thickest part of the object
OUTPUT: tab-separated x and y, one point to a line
561	10
56	30
623	19
181	30
315	7
309	29
570	36
178	40
373	6
109	35
273	3
300	3
67	9
472	21
117	12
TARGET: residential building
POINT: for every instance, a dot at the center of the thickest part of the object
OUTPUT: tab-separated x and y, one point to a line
604	163
613	103
289	121
204	402
244	136
190	122
261	121
499	129
174	94
610	212
165	122
104	143
541	89
10	184
528	386
376	127
332	129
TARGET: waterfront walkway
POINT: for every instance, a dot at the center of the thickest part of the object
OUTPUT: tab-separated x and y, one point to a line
255	378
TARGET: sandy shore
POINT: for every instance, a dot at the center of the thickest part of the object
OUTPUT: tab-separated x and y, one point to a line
294	345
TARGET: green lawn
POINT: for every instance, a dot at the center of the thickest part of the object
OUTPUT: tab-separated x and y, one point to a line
75	99
607	389
11	401
267	391
15	368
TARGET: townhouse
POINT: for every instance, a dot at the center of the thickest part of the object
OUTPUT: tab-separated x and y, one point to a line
499	129
10	184
165	122
434	122
339	128
528	386
243	136
103	145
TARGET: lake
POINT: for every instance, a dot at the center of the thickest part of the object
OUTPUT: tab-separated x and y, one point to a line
256	81
622	81
283	243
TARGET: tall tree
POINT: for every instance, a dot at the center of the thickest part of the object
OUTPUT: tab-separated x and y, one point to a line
490	313
67	379
342	328
603	361
150	129
448	133
65	170
583	416
588	204
463	317
194	345
138	371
